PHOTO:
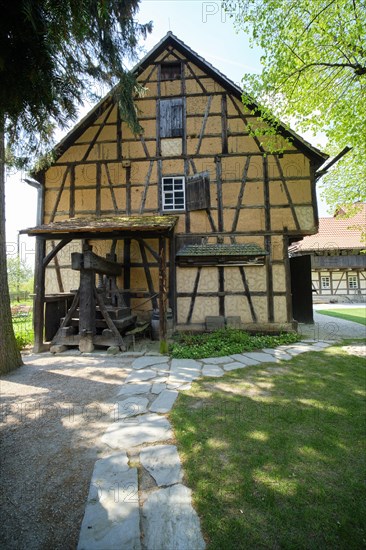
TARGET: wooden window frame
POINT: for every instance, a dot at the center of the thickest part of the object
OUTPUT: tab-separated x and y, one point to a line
322	277
173	191
354	280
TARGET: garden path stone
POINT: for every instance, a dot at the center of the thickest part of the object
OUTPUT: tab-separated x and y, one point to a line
261	357
170	522
216	360
212	370
234	365
147	428
321	345
143	374
111	522
163	463
132	406
297	349
244	359
148	360
164	402
135	388
279	354
158	387
183	371
161	379
162	369
185	365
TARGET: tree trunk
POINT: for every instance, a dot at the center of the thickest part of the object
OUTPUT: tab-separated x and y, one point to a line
10	357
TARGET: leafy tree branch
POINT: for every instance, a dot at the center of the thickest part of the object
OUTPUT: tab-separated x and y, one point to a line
314	71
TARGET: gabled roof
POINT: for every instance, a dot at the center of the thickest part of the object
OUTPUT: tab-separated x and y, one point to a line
171	40
335	233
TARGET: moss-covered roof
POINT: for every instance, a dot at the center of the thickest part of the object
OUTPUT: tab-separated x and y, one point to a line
249	249
105	225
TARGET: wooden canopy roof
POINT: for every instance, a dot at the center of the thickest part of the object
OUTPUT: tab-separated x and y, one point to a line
222	250
102	227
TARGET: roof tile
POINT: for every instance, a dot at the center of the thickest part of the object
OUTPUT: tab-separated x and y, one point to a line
337	232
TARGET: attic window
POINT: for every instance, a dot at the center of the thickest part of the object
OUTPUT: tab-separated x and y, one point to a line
171	71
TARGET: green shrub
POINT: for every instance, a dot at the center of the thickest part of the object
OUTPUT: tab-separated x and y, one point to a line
23	328
23	340
225	341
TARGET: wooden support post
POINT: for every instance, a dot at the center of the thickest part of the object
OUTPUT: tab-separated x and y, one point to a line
128	190
224	141
268	242
87	326
286	262
162	296
87	302
220	216
39	293
172	278
127	269
58	270
72	191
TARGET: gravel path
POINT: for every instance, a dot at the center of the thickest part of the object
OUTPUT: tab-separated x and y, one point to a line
54	412
332	328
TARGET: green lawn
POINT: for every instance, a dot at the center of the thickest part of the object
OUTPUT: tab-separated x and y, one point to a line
356	314
275	454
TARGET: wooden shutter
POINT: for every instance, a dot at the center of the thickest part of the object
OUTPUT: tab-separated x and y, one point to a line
198	192
171	118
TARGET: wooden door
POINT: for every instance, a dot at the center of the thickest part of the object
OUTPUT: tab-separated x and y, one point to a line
301	288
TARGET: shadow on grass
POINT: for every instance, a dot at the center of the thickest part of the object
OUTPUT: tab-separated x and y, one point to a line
274	454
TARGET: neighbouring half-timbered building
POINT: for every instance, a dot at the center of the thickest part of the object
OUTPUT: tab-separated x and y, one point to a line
338	259
194	215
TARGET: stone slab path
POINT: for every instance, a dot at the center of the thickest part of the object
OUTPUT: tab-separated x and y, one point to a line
137	500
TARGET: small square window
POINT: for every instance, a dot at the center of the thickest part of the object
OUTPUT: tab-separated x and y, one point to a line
352	282
171	71
325	283
173	194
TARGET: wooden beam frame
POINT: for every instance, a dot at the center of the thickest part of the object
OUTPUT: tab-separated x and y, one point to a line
39	295
162	295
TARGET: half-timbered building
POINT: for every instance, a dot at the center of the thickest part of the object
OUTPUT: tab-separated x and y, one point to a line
195	214
337	255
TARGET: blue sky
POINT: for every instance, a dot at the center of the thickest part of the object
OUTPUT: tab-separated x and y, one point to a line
204	27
